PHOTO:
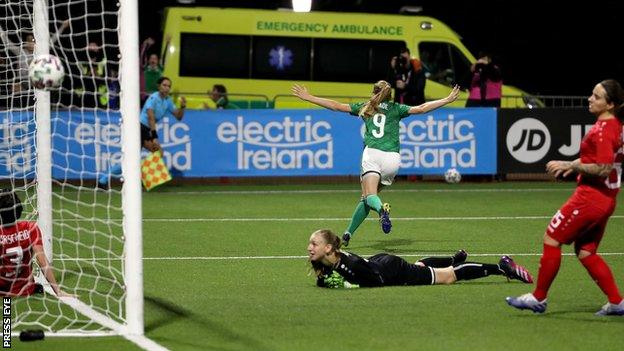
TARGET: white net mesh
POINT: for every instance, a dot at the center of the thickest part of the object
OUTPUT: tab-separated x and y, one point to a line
87	222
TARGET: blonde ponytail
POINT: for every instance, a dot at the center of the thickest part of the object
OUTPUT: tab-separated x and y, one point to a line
381	92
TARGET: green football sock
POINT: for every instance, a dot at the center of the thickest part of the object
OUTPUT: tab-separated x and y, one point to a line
359	215
374	202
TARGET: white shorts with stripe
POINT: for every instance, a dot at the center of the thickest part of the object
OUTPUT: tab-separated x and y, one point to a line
384	163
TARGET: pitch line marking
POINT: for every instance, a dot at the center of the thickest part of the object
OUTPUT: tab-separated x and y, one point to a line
428	254
325	191
481	218
289	257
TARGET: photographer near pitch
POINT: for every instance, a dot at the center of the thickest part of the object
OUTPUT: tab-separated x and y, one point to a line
407	78
486	84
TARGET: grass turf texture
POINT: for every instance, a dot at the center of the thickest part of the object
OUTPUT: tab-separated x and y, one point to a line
214	283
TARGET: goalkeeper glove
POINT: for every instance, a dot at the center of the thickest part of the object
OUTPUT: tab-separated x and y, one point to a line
336	281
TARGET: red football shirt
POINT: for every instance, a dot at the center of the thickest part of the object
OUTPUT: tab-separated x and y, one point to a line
16	243
603	145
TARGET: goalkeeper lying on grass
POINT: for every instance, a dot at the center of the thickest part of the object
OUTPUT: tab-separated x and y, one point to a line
338	269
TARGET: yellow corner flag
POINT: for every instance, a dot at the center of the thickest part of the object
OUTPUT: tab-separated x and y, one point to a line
154	172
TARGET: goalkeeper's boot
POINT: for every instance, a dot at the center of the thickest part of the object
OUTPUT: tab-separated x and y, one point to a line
384	218
513	270
611	309
527	302
460	256
345	239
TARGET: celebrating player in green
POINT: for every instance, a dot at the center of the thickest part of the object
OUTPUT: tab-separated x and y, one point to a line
381	158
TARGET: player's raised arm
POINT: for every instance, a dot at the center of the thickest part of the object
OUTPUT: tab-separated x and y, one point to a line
178	113
301	92
432	105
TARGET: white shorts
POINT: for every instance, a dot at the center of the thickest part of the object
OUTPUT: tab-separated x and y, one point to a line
384	163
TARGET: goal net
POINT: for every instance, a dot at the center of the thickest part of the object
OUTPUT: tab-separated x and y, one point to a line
55	144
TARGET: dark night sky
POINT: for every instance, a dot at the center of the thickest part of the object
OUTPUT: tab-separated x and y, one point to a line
543	48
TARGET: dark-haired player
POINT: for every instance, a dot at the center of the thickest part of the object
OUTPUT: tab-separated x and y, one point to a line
20	241
583	218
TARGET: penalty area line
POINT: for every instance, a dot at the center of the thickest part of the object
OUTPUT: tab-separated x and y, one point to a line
298	257
289	257
329	191
474	218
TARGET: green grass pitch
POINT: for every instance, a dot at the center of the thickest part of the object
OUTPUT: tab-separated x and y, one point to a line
225	269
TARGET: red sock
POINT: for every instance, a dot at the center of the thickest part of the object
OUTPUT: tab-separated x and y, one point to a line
601	273
549	266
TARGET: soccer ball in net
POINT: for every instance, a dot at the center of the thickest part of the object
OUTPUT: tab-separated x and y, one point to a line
46	71
452	176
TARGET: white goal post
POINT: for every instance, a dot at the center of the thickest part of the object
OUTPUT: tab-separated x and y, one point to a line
55	144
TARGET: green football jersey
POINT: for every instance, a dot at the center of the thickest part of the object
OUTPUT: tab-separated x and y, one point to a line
382	128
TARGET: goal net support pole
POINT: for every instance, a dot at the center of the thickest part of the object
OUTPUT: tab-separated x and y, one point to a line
43	135
131	164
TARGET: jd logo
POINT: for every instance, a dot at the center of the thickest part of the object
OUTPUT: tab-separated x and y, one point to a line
528	140
577	132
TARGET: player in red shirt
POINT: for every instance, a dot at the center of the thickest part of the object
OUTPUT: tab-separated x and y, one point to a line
19	242
583	218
